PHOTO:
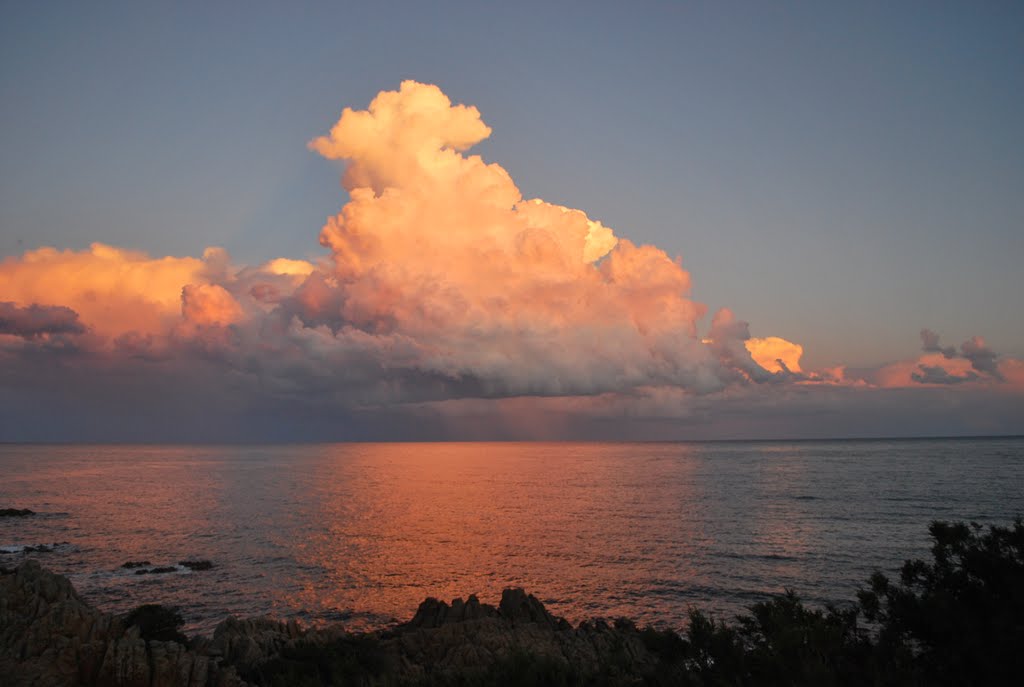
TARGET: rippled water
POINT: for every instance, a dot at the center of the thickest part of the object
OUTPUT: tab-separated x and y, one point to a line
363	532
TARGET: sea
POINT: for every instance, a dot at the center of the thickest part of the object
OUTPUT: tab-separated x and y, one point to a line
360	534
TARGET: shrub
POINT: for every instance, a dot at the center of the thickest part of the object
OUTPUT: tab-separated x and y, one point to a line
162	623
960	619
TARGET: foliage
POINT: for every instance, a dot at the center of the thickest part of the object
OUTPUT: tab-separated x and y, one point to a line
524	669
157	622
960	619
349	660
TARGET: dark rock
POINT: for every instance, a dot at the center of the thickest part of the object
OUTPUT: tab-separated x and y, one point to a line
433	613
15	512
518	606
40	548
131	565
49	636
196	565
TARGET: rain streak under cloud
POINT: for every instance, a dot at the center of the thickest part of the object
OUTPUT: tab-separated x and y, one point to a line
447	301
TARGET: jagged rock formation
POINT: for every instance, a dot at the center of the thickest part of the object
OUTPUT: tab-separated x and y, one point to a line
49	636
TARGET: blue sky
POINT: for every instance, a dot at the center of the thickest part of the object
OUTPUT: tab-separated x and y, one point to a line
839	174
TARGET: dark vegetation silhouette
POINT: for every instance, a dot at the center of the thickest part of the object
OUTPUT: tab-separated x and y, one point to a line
158	622
956	620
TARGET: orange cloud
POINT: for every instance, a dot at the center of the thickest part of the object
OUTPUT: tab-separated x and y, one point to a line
209	304
441	248
287	266
112	290
442	283
767	353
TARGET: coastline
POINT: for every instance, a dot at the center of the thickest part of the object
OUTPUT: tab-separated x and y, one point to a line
952	621
50	636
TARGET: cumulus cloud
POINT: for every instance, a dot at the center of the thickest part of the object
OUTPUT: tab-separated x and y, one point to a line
442	281
444	294
112	290
983	360
440	252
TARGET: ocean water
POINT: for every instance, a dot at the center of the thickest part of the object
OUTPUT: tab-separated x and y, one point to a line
361	533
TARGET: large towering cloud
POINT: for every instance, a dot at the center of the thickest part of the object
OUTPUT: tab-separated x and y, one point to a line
439	251
444	293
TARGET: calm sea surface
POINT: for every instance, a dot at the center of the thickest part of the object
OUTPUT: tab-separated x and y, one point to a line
361	533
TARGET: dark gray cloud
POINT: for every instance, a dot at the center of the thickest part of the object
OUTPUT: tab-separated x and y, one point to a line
929	374
80	396
982	358
930	344
35	321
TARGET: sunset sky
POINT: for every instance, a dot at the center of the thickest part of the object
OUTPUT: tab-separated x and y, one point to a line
601	220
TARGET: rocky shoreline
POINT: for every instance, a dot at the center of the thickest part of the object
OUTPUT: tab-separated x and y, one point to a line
50	636
954	621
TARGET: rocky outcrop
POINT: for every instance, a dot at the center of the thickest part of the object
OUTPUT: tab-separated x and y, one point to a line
15	512
49	636
467	640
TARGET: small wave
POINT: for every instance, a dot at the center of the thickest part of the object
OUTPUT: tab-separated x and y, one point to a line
15	549
756	556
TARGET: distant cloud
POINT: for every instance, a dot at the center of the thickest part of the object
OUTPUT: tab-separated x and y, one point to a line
929	374
930	344
983	358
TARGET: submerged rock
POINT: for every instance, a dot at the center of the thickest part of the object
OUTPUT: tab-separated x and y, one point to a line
49	636
131	565
196	565
157	571
15	512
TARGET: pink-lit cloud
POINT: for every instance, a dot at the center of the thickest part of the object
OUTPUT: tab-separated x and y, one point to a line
444	293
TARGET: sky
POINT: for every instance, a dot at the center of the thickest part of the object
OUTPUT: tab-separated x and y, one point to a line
723	185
